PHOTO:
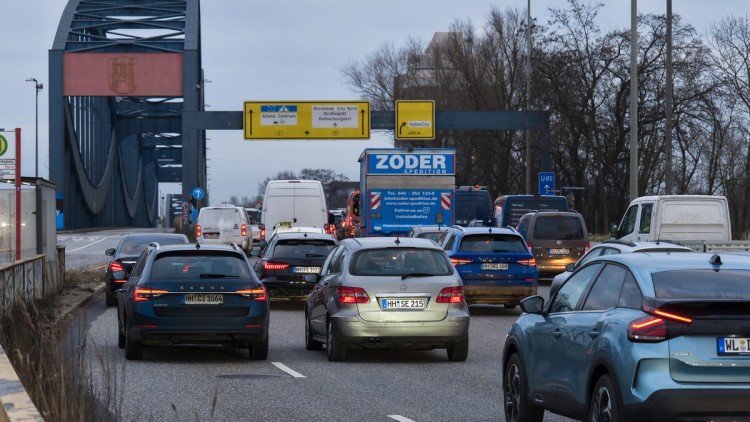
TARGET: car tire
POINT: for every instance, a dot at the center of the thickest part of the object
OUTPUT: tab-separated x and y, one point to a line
133	349
336	350
458	351
310	343
109	298
605	401
259	349
517	406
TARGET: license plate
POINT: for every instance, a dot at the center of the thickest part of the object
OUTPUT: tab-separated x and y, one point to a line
561	251
733	345
211	236
203	299
402	303
494	266
306	270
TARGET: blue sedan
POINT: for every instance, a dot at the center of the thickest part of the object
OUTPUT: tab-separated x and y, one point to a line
647	336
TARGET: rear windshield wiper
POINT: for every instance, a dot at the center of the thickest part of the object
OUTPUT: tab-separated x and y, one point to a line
215	275
416	275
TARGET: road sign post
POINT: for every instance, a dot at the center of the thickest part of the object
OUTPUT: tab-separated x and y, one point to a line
547	183
306	120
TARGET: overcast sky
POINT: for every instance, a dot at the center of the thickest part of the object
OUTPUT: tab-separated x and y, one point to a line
284	51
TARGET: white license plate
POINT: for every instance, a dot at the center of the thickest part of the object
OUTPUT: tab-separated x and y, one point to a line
307	270
561	251
203	299
211	236
733	345
402	303
494	266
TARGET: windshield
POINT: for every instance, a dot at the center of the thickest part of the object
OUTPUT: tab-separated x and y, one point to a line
558	227
194	266
302	248
214	216
400	262
492	242
474	206
434	236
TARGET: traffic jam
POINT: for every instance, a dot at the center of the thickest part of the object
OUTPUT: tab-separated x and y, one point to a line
634	327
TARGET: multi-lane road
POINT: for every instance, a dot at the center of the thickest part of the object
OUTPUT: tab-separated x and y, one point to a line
214	383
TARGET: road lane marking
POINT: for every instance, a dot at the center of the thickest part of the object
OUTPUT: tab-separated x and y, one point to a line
400	418
90	244
288	370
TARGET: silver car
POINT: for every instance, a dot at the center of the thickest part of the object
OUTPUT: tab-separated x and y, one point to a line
387	293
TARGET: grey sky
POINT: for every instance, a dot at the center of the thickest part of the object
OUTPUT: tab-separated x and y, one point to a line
283	51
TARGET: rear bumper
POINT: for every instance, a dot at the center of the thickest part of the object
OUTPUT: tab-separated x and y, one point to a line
354	330
287	288
234	335
692	405
476	293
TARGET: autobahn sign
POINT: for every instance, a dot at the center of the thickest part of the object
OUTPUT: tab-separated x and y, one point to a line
546	183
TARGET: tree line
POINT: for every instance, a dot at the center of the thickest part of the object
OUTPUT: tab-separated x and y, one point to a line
580	73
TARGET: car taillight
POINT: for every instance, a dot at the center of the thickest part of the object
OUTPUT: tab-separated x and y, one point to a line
529	245
457	261
148	294
274	266
352	295
243	230
451	295
198	230
258	293
586	248
653	328
527	262
115	266
262	228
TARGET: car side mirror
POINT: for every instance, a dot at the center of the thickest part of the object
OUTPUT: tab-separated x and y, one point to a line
532	304
110	252
613	230
120	275
570	268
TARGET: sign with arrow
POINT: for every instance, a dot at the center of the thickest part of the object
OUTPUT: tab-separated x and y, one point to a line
547	183
306	120
415	119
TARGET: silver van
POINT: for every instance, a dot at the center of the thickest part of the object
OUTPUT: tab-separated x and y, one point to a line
224	225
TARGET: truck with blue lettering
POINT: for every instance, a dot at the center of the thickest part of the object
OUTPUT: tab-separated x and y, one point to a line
404	188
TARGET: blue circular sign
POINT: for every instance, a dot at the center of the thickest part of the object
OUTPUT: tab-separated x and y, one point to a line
198	193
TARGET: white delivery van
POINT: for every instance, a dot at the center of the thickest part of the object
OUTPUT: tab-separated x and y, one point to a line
291	203
225	224
676	218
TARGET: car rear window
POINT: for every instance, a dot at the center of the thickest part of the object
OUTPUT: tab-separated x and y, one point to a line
214	216
558	227
705	285
135	246
435	236
401	261
492	242
302	248
191	265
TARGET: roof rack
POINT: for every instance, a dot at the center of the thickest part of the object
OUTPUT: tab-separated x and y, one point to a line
620	242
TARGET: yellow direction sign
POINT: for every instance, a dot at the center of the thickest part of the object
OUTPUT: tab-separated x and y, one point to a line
415	119
307	120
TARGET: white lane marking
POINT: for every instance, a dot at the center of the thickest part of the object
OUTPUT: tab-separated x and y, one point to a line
288	370
90	244
400	418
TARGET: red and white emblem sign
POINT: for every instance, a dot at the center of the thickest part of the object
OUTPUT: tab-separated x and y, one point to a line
445	201
375	201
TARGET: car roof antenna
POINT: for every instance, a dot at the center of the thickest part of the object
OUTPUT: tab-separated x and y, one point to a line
197	246
398	242
715	259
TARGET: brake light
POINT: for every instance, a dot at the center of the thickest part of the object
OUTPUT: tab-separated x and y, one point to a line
262	228
527	262
673	317
451	295
148	294
115	266
198	230
529	245
352	295
243	230
586	248
653	328
274	266
258	293
457	261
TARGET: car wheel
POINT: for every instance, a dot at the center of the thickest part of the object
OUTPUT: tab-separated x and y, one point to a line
336	349
605	402
518	408
459	351
259	349
133	349
110	298
310	343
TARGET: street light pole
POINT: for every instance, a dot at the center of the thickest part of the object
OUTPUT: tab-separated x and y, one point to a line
38	87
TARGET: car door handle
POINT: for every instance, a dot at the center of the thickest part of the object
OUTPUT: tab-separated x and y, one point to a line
557	333
593	334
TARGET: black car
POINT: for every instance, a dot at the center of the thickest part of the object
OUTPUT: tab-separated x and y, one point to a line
192	294
127	251
290	256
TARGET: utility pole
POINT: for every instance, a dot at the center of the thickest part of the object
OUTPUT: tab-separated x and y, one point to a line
38	87
528	96
668	182
633	99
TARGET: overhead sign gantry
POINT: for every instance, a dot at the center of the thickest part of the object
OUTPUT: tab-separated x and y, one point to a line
306	120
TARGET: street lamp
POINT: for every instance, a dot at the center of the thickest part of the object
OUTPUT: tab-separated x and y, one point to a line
38	87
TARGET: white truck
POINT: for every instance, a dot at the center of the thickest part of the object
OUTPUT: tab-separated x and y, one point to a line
293	203
701	222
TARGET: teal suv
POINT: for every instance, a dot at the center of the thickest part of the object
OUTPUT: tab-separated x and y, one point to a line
641	337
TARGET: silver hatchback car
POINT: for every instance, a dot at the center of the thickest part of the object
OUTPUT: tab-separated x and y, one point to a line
387	293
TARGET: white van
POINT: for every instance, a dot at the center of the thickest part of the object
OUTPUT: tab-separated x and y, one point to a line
676	218
225	224
290	203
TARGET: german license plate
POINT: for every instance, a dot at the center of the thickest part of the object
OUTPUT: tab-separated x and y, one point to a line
211	236
733	345
203	299
306	270
560	251
494	266
402	303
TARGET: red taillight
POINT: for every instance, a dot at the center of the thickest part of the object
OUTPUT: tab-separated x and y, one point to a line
148	294
274	266
198	230
586	248
262	228
673	317
527	262
115	266
258	293
529	245
352	295
243	230
457	261
653	328
451	295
